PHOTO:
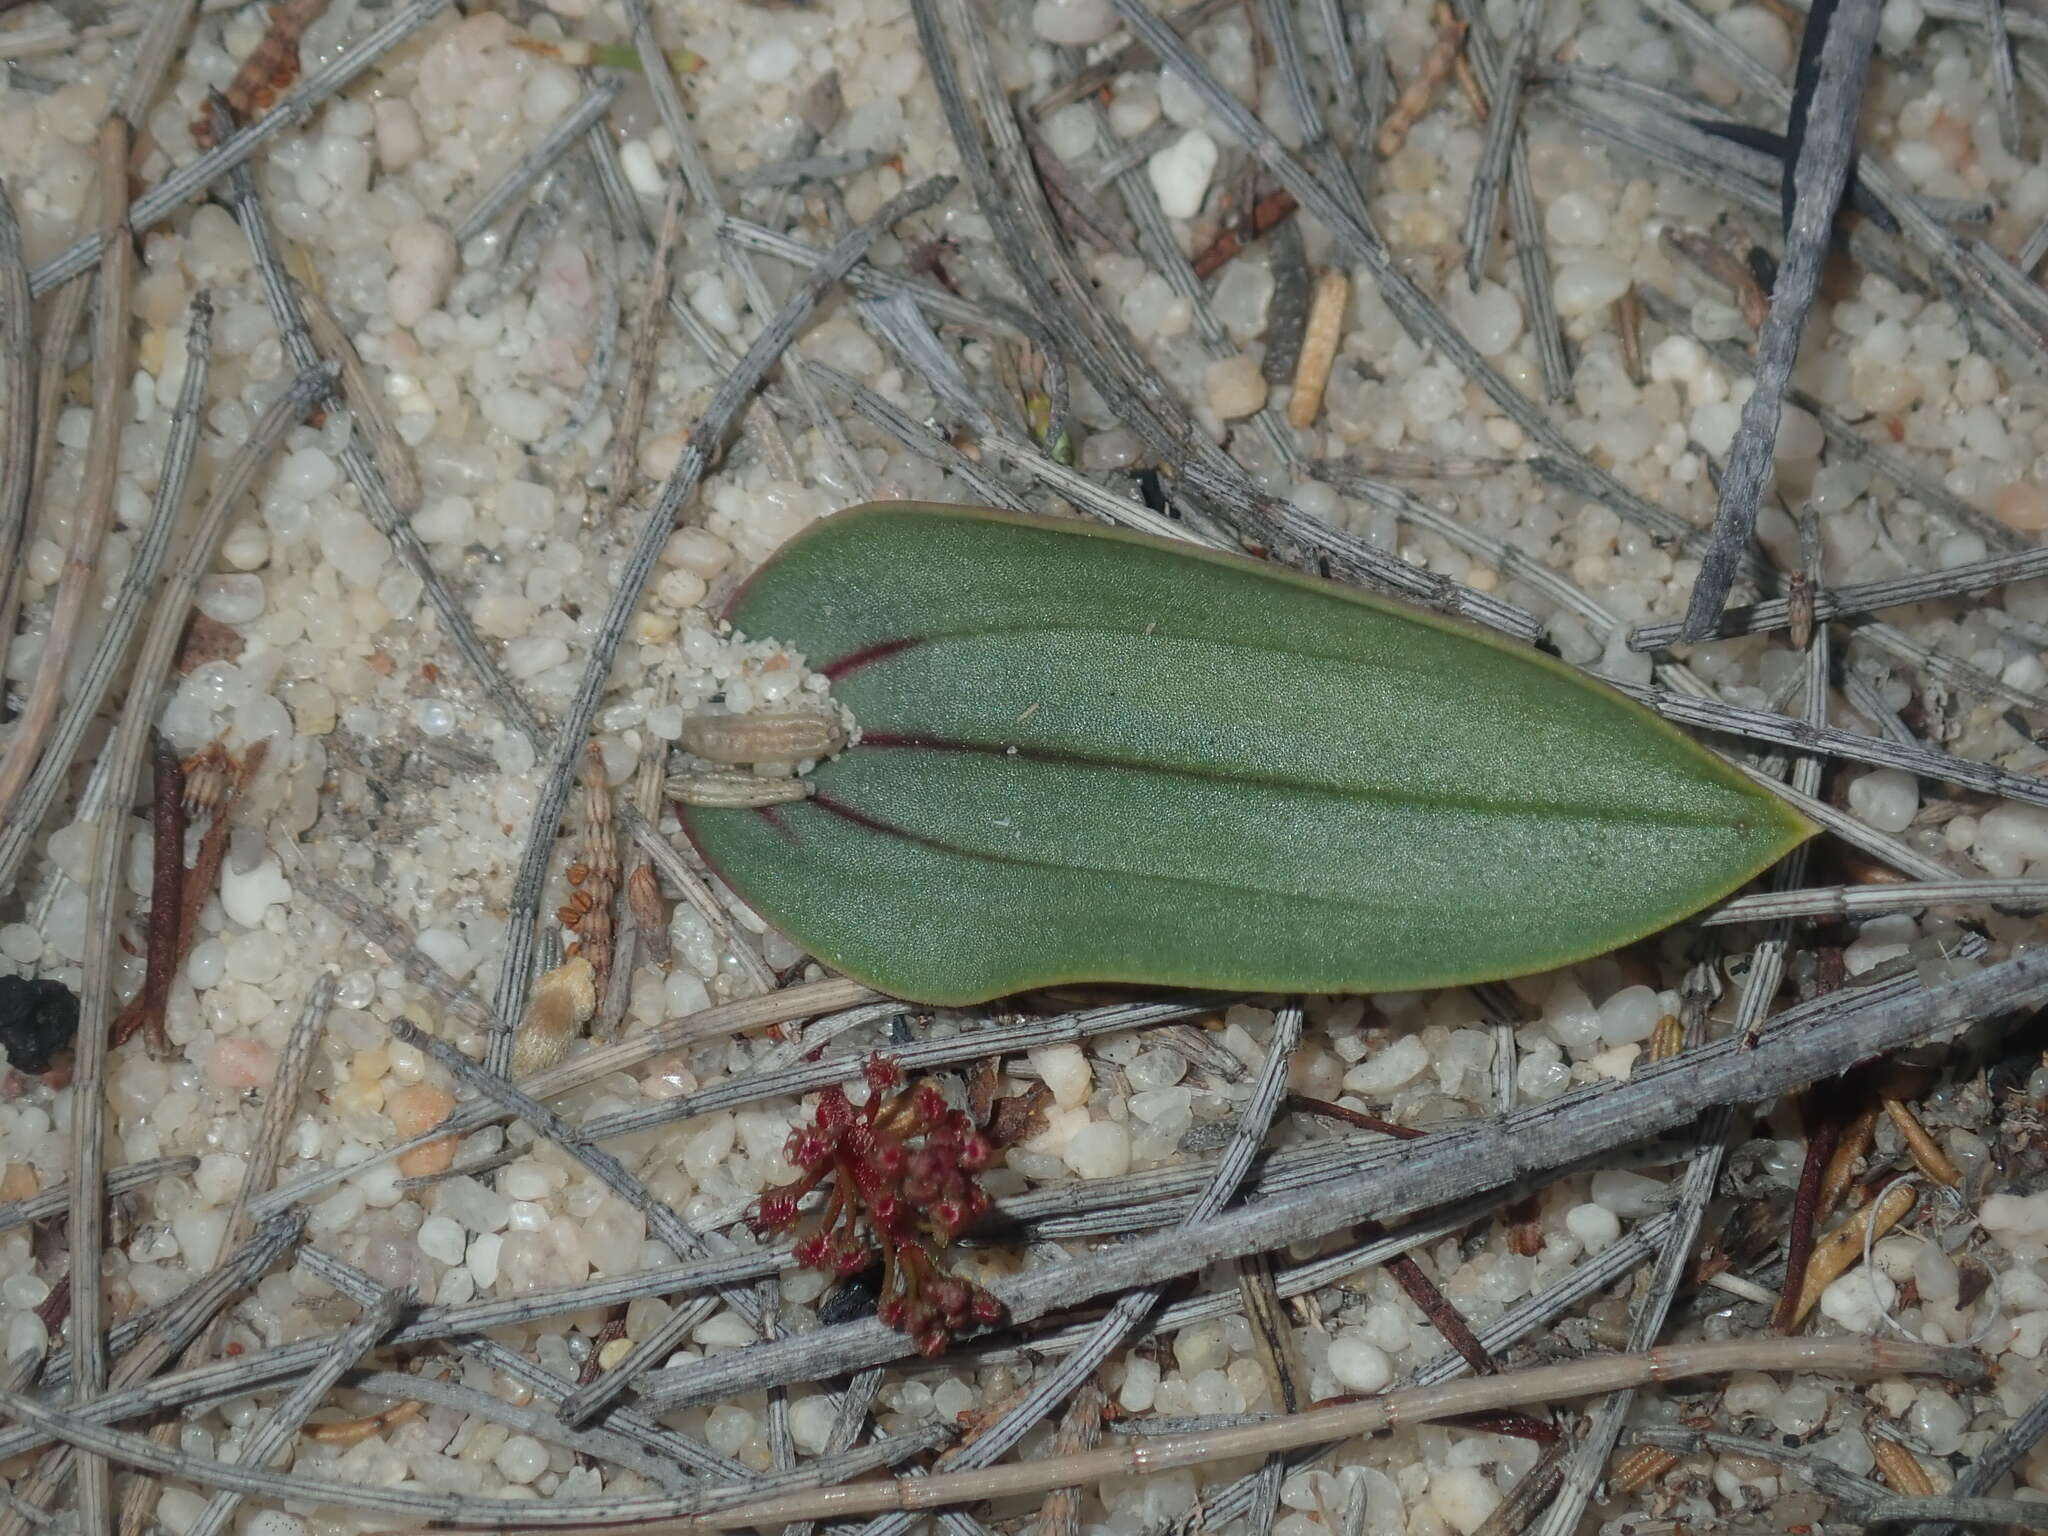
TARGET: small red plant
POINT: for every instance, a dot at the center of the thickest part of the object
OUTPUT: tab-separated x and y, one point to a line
893	1198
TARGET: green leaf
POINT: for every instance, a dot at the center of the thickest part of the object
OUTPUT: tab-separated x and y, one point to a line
1089	755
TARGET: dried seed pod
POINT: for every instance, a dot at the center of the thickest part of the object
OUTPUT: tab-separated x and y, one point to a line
735	791
650	914
738	741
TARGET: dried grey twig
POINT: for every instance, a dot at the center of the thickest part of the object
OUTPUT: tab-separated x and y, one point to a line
1475	1155
1525	220
191	178
93	516
50	1201
538	159
1503	126
1818	177
17	368
743	1505
281	293
20	823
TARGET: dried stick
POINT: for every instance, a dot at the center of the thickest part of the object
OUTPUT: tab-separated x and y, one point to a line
706	440
189	1312
1478	1155
1503	127
696	173
1817	180
51	1200
280	1108
1525	218
707	1024
281	1426
676	869
86	1227
1416	313
640	353
1052	1387
1774	614
558	140
365	401
94	513
152	662
1321	1426
453	1508
2004	80
1828	741
295	107
281	295
18	381
110	655
662	1221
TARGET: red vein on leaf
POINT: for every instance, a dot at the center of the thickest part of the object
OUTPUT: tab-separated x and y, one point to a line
853	662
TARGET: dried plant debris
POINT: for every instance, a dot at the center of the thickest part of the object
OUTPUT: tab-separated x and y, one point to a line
485	1161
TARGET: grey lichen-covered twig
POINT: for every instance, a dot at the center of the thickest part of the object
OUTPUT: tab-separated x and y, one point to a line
1525	221
20	823
1475	1155
696	173
663	1224
281	294
50	1201
1864	597
707	440
293	107
1857	902
1503	128
640	349
93	514
280	1109
1784	731
1818	178
561	137
1843	434
193	1309
1417	314
1052	1387
707	1024
18	389
280	1426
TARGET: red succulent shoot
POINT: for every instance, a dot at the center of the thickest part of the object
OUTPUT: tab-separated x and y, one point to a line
902	1167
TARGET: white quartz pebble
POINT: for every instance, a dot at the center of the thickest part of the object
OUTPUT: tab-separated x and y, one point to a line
1359	1364
1858	1299
1630	1015
1397	1065
1099	1150
521	1459
1595	1226
1235	386
1590	283
231	599
246	896
1180	173
1065	1071
1463	1497
1073	23
1885	799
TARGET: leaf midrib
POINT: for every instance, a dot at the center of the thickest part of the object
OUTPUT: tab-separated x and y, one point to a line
887	741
